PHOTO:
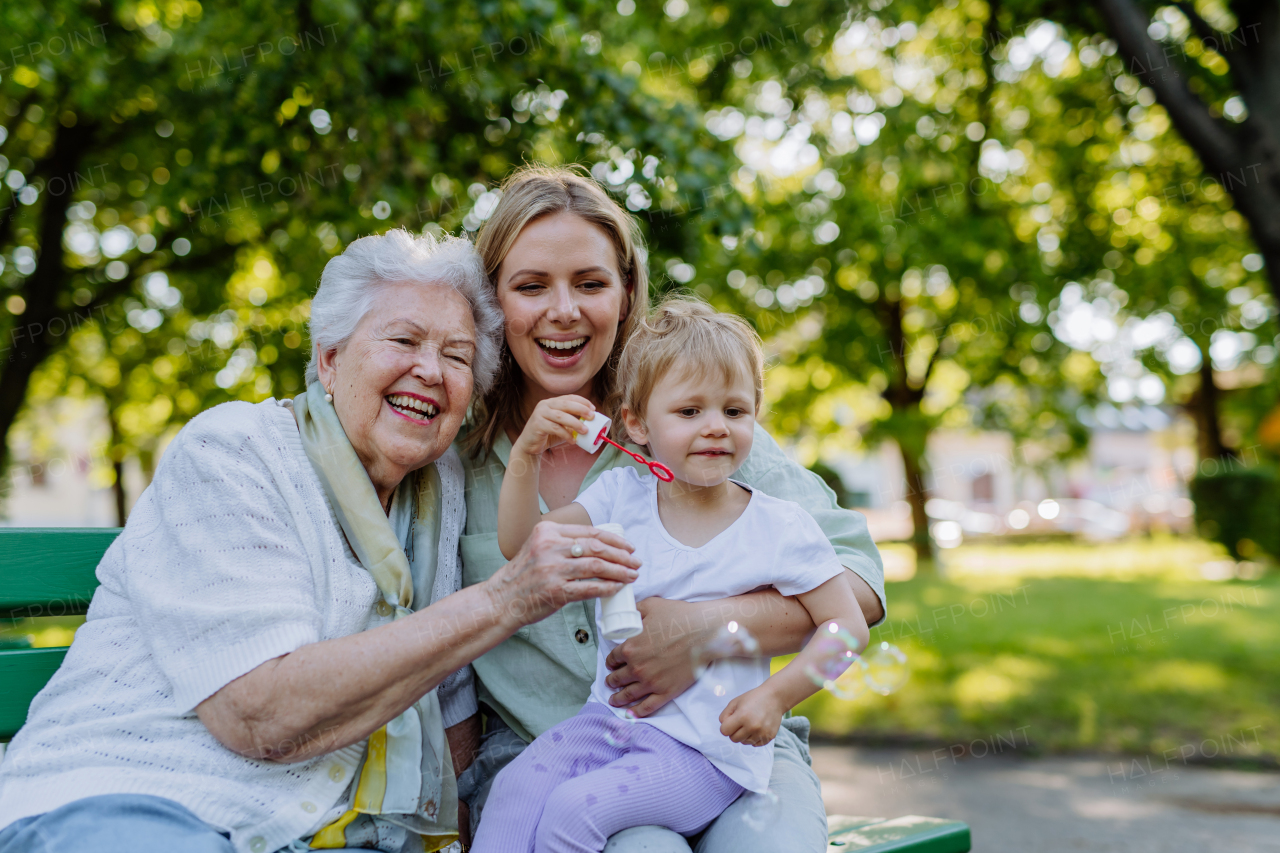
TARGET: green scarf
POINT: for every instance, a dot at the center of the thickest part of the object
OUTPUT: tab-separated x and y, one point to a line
405	797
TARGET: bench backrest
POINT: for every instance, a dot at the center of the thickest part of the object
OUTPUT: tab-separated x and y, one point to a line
43	572
51	572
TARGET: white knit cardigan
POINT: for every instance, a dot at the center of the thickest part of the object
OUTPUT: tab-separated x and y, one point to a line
232	557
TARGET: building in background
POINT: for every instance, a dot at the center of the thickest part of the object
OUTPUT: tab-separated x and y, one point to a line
61	476
1132	478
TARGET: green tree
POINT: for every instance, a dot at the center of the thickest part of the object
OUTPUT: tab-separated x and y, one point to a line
890	262
1157	266
177	176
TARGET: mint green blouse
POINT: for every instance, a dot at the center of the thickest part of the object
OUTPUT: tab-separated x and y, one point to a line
542	674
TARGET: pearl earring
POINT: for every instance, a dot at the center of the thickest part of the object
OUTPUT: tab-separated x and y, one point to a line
328	398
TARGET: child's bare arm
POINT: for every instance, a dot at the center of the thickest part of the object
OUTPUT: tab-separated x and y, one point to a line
552	423
754	716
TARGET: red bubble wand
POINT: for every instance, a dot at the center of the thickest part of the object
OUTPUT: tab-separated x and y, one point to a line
591	445
662	472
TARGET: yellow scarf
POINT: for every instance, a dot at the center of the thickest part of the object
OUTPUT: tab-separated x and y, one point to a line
405	790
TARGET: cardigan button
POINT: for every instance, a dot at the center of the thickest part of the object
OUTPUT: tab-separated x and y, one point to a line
336	772
582	636
383	608
308	806
257	844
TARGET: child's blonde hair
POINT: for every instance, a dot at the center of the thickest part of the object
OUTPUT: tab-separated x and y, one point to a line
690	332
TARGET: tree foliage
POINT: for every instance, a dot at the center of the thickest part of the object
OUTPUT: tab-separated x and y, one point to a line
966	214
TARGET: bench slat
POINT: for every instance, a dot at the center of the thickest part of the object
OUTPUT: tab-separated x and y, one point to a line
50	571
899	835
24	673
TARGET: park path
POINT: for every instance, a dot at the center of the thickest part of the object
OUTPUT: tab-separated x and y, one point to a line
1046	805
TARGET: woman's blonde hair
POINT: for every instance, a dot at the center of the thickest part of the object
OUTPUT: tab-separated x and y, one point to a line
687	332
527	194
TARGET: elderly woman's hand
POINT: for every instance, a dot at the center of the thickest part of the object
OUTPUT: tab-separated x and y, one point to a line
545	576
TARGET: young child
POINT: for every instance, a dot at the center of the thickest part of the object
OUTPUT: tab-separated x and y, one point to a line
692	384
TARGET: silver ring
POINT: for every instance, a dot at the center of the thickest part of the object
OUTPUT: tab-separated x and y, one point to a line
576	550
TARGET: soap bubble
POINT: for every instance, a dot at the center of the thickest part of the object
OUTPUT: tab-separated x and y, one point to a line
762	810
887	668
850	684
620	731
836	650
731	641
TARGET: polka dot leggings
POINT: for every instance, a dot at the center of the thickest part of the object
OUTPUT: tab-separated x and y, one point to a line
594	775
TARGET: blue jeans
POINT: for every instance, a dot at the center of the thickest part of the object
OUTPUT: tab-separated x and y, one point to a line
116	823
798	825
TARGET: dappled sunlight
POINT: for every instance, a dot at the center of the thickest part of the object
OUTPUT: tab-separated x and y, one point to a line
1121	647
1051	646
999	683
1161	556
1183	676
46	632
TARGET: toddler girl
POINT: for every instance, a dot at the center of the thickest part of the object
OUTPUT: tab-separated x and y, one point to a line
692	385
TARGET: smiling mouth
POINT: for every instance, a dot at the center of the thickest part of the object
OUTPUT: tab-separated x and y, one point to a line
412	407
713	453
563	349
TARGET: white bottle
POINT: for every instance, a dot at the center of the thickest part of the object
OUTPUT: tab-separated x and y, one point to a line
589	439
618	612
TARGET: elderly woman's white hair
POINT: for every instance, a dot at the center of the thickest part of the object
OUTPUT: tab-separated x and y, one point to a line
351	281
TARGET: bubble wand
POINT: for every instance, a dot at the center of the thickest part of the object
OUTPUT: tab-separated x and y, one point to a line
598	427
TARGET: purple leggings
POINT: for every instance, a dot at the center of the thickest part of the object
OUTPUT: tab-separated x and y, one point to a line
594	775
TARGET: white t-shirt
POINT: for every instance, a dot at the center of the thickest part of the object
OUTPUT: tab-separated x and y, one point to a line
773	543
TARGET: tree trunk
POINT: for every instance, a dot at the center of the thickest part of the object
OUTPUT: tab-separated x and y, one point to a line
1244	159
918	496
911	431
117	489
31	338
116	452
1204	408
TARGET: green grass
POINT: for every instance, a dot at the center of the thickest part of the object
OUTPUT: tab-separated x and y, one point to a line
1108	648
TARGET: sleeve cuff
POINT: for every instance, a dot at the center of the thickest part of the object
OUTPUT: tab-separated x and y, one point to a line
459	702
868	573
206	676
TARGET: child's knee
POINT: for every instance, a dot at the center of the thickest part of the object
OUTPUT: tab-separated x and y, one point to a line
570	812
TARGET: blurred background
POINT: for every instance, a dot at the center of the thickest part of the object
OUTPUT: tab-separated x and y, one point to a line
1016	265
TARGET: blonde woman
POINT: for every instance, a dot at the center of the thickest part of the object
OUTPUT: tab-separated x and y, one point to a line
568	267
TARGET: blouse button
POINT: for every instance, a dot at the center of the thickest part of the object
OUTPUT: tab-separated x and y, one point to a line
336	772
383	608
582	636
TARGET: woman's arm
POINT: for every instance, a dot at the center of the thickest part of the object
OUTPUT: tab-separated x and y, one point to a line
552	422
518	511
754	716
656	666
768	469
334	693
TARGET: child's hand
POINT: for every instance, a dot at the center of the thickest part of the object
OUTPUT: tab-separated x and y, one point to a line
553	422
752	718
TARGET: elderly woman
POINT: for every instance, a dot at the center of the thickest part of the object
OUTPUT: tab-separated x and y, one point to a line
569	270
278	654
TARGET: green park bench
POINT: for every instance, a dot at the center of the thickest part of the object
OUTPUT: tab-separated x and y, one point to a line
52	572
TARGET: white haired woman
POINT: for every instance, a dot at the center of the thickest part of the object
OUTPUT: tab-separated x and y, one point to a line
278	656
